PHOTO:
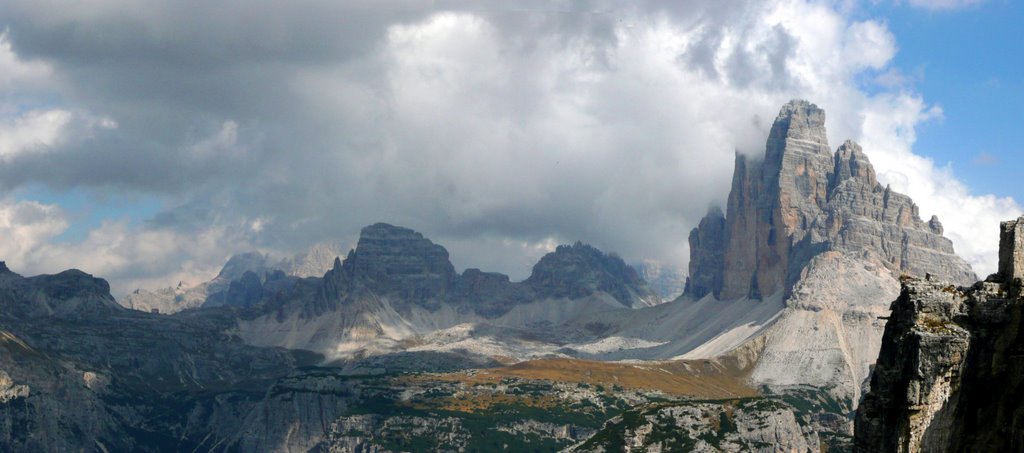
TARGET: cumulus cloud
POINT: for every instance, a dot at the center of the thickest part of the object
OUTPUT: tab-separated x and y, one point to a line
32	131
130	257
25	226
496	131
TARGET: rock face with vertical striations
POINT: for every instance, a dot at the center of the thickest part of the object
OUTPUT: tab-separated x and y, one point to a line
707	252
801	200
949	376
773	201
400	263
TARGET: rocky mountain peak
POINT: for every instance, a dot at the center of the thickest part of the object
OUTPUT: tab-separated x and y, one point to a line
668	280
802	200
312	262
799	127
386	251
397	261
3	268
73	283
69	294
578	270
851	162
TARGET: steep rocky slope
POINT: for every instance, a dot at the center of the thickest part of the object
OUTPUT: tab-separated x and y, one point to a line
949	376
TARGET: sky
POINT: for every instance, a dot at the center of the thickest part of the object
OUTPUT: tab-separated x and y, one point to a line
146	142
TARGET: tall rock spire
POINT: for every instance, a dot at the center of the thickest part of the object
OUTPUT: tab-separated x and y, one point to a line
800	200
774	200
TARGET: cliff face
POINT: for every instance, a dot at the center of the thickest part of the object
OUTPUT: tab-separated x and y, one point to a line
949	375
801	200
773	201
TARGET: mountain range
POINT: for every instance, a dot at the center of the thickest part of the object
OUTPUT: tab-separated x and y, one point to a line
770	345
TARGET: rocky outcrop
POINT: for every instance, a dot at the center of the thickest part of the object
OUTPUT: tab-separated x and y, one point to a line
920	365
408	270
949	376
9	390
800	200
70	294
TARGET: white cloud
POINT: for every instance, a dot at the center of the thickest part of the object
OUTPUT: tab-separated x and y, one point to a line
26	226
25	125
32	131
492	131
130	257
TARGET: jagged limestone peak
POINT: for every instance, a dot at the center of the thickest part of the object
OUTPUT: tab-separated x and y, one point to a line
851	162
802	200
798	121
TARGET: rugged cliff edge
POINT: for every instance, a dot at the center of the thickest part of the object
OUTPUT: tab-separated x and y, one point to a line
949	377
